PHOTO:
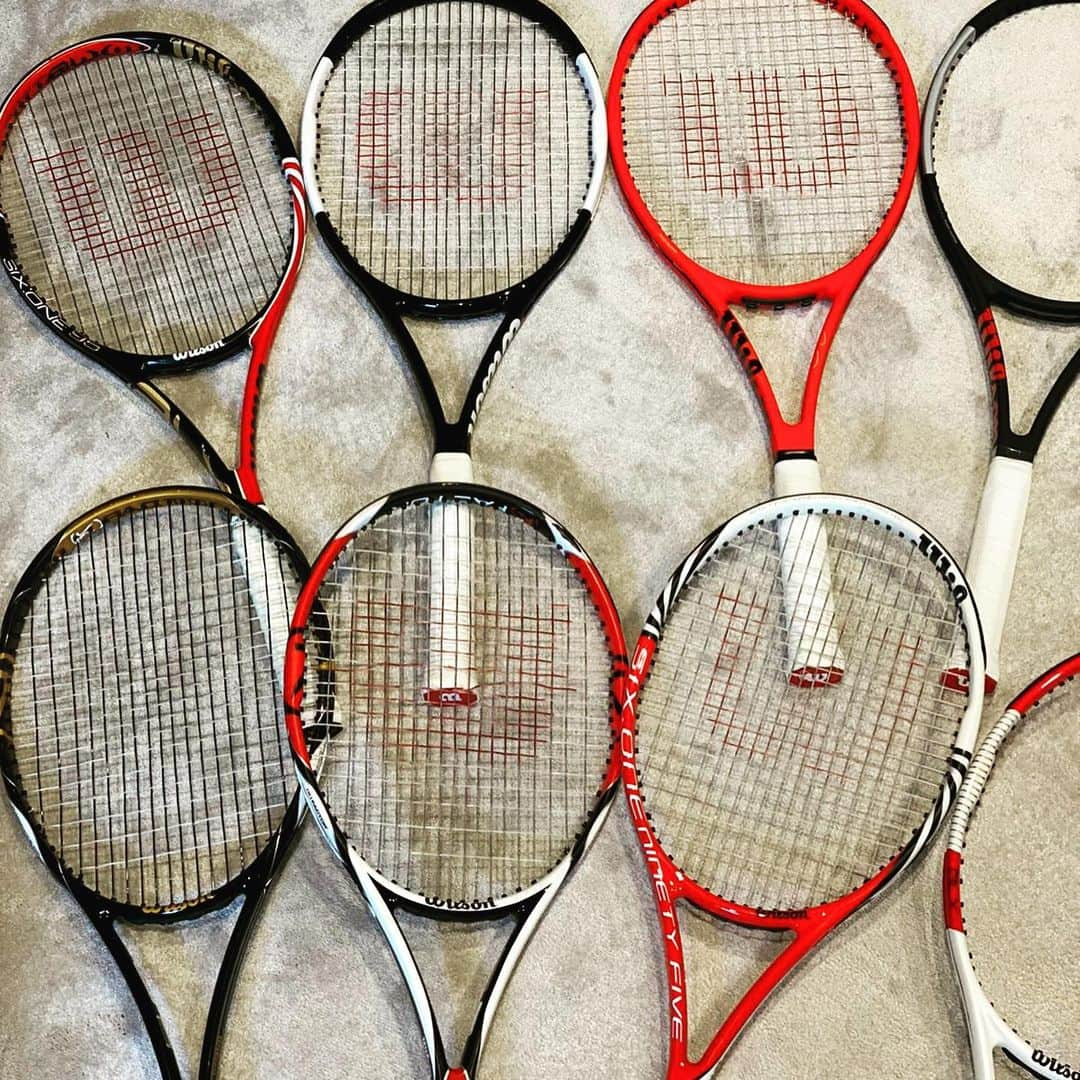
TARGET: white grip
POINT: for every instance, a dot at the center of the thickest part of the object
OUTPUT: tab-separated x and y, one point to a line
451	669
995	546
813	639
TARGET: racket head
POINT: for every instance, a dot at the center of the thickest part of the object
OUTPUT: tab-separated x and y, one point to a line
899	600
142	739
987	197
1033	731
90	140
542	724
747	234
382	194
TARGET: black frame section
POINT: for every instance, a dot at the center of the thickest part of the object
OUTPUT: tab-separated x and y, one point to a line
253	882
392	304
983	290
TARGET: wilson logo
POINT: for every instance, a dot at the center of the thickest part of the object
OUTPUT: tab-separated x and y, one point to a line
800	133
1058	1068
459	905
942	561
508	337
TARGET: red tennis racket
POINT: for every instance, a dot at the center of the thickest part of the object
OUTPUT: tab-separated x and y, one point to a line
770	807
768	148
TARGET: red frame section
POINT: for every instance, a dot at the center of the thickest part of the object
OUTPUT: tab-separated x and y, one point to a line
721	293
1033	694
262	338
670	885
59	64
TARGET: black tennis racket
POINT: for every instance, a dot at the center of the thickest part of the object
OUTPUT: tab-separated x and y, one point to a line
992	202
153	218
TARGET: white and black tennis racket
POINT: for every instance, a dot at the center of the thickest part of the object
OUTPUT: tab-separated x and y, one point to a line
454	154
153	218
1001	199
1013	837
770	806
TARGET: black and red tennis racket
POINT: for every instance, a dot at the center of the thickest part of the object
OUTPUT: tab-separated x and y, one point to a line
1011	837
995	205
454	153
767	148
763	804
153	218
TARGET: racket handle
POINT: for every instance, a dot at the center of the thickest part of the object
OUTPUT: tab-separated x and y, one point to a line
813	639
451	675
991	567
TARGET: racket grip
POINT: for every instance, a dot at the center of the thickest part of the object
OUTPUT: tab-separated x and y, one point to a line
995	546
813	639
451	672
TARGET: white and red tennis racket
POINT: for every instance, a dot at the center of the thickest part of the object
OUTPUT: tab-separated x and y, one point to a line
1002	206
1018	839
767	148
770	807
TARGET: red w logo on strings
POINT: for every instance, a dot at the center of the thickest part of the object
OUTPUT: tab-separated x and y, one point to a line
139	194
468	146
756	130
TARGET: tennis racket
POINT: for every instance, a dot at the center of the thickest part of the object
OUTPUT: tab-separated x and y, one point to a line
979	902
993	206
767	149
766	806
153	218
453	154
477	811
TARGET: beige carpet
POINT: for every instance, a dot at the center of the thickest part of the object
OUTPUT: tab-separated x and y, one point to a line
621	411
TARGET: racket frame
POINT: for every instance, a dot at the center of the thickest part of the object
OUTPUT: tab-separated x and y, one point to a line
987	1030
453	438
670	885
134	369
789	440
253	881
999	526
384	897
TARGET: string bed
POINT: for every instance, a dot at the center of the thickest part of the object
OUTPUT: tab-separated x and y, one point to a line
147	203
780	797
454	149
145	715
765	136
464	804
